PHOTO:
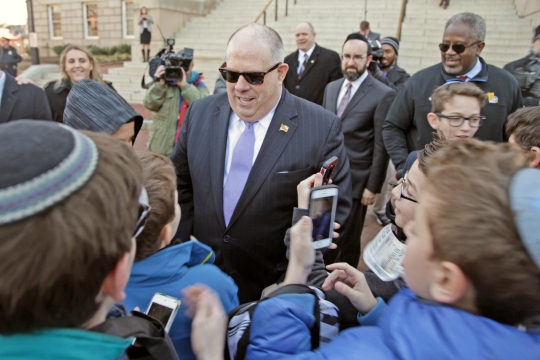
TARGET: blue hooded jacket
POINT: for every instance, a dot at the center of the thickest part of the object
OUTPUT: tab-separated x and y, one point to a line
169	271
411	329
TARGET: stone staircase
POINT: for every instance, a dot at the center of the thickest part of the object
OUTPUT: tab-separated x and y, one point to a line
208	35
507	37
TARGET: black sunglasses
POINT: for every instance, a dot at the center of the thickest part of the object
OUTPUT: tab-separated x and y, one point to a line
458	48
252	77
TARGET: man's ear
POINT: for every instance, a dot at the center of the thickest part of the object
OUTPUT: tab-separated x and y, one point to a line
116	280
480	47
282	71
535	162
433	121
450	284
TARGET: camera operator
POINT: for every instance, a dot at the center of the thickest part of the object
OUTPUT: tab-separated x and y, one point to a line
384	67
527	72
169	101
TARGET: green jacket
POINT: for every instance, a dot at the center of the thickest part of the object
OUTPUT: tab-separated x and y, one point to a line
164	101
66	344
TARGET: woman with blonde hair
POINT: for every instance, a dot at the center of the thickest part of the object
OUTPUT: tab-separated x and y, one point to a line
145	28
76	63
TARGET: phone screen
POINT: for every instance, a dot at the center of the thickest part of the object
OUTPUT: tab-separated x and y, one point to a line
321	215
160	312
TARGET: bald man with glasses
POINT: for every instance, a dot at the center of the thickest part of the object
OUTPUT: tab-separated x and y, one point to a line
241	155
407	128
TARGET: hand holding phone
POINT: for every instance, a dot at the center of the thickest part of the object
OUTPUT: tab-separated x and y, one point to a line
163	308
328	169
322	211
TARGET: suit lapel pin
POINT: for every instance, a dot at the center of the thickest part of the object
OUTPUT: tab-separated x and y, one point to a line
284	128
312	61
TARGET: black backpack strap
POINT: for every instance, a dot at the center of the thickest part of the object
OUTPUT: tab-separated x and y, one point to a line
150	333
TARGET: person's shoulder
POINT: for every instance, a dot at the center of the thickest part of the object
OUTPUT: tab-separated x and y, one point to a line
311	111
325	51
289	58
519	62
50	85
379	87
499	74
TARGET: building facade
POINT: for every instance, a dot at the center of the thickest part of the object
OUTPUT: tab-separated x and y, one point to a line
107	23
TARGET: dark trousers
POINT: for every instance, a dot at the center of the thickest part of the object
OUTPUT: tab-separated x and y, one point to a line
349	248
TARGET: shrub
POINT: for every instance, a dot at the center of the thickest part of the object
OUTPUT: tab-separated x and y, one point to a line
59	48
124	49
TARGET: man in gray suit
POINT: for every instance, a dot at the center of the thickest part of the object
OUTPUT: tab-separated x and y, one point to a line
361	102
241	155
370	35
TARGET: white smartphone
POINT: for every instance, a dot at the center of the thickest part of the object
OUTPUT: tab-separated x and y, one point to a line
322	211
163	308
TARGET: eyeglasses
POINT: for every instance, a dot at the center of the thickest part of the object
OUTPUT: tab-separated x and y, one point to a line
252	77
456	121
404	184
458	48
144	213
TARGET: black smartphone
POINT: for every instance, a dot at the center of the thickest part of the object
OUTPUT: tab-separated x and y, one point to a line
328	169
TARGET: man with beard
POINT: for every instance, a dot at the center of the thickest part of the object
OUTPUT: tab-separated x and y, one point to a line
527	72
406	127
388	63
361	103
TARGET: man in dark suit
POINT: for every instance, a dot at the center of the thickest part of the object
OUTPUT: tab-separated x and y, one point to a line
241	155
9	57
311	67
361	102
21	101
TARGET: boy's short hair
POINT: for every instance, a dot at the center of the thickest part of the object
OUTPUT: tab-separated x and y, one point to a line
444	93
53	264
524	124
431	148
160	184
472	225
364	25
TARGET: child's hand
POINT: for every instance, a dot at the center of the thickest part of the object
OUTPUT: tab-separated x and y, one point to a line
209	326
352	283
302	254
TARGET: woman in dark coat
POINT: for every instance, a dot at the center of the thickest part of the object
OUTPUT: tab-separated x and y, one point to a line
76	63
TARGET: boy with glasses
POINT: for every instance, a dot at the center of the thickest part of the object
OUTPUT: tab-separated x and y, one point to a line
456	110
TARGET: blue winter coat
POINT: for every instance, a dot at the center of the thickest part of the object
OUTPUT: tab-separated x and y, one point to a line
169	271
410	329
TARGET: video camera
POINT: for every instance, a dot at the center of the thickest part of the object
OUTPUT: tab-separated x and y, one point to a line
376	50
172	61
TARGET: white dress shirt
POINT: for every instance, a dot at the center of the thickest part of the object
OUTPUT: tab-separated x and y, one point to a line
2	84
474	71
236	128
301	55
355	85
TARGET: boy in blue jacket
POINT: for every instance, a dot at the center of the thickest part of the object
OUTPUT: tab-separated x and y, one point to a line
472	267
169	269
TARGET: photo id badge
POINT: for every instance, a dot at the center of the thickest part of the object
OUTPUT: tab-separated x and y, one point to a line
384	255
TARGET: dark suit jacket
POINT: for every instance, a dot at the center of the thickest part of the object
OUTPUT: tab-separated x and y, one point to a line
251	248
397	76
361	123
23	102
324	66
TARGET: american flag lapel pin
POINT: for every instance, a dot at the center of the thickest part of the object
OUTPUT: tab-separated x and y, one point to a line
284	128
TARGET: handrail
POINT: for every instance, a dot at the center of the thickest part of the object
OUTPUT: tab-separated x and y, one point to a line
263	11
401	17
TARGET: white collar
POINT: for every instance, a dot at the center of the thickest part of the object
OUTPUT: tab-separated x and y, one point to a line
309	52
356	83
475	70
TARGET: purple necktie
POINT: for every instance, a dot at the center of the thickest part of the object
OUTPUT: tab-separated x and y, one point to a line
241	163
344	100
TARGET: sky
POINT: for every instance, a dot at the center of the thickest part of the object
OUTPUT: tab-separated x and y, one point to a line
13	12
